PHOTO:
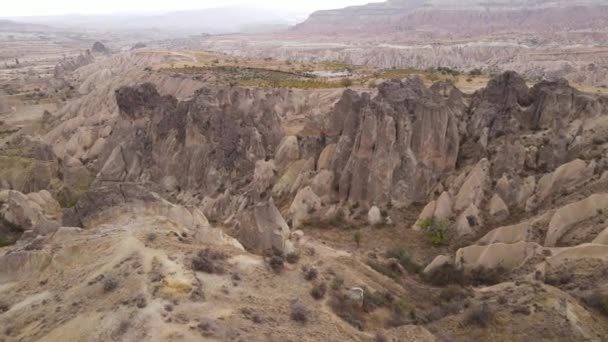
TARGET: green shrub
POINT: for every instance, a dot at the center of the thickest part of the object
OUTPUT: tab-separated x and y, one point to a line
436	231
451	292
404	259
346	83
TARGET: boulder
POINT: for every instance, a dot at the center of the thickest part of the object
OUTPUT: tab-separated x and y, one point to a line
507	256
322	185
80	142
583	251
288	151
580	265
514	190
438	262
497	209
262	228
426	213
564	177
36	212
443	208
305	206
474	187
528	231
47	203
374	216
568	216
286	182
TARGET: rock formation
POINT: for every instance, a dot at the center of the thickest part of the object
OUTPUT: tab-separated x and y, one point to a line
181	193
392	148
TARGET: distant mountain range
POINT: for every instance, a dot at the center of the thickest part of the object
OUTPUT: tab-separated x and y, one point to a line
221	20
12	26
440	18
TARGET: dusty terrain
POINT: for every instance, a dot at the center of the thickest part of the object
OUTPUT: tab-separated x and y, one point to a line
185	195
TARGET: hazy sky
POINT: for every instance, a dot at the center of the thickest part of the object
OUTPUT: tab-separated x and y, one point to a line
53	7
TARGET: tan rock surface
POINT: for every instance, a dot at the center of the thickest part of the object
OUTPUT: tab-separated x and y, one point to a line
508	256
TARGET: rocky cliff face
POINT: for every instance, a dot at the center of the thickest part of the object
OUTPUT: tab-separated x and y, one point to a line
394	147
225	149
226	146
513	177
204	144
